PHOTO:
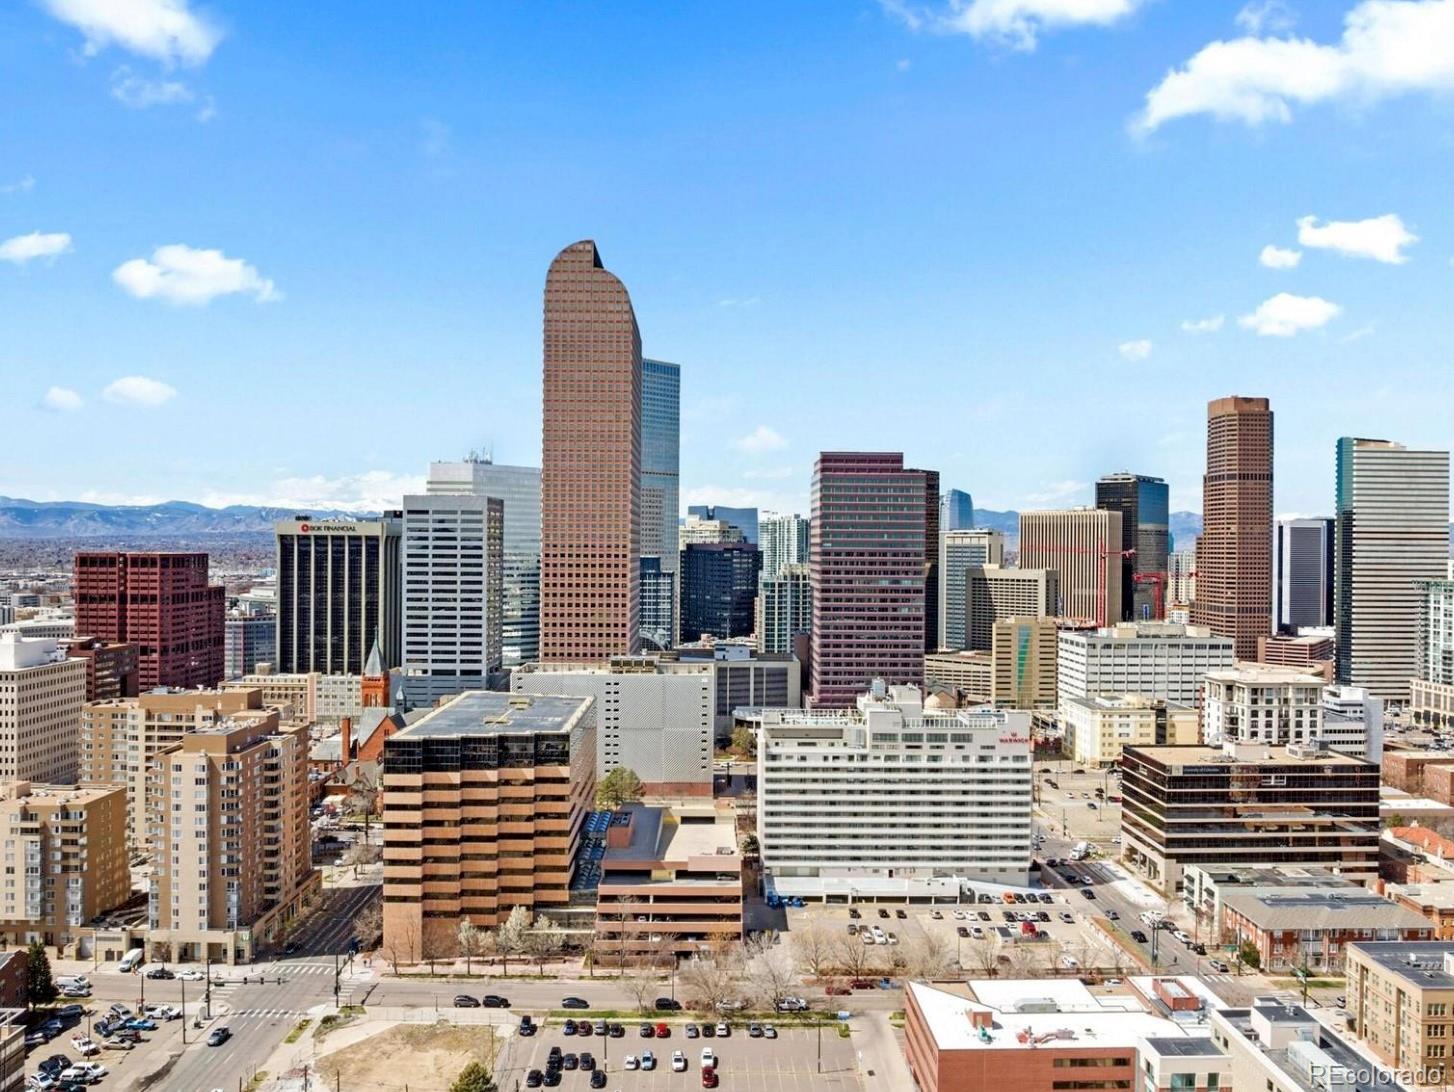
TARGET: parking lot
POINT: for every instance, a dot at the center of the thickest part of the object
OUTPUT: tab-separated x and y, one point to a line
789	1062
120	1064
1070	807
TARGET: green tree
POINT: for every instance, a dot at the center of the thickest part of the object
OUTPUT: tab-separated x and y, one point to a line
39	986
620	786
1248	955
473	1078
744	743
750	846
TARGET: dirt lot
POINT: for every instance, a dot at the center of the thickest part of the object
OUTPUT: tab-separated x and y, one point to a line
425	1057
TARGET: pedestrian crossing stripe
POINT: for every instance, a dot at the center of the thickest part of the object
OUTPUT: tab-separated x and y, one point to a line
264	1013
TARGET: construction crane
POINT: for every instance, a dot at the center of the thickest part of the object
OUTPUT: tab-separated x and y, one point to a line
1103	554
1159	580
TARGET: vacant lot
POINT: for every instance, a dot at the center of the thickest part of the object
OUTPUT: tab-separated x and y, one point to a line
421	1057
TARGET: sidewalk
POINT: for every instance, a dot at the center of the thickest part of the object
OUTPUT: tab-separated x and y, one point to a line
881	1063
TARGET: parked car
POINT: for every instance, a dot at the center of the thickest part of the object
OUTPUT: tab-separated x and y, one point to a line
85	1072
465	1001
709	1078
769	1032
575	1003
648	1031
692	1031
667	1004
794	1004
648	1060
495	1001
754	1030
534	1079
85	1045
631	1062
678	1062
662	1031
160	972
598	1078
587	1060
724	1030
709	1058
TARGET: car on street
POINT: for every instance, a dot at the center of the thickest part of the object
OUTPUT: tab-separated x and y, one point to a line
1221	968
495	1001
1182	936
219	1036
1069	961
534	1079
1067	917
160	972
1112	915
575	1003
1138	936
465	1001
1087	893
190	975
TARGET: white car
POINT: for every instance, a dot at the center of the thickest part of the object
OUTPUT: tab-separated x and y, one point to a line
1185	938
709	1058
976	932
868	938
85	1045
1069	961
84	1071
960	915
678	1062
630	1062
191	976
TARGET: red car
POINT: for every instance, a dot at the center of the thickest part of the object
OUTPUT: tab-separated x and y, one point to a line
837	991
709	1078
662	1031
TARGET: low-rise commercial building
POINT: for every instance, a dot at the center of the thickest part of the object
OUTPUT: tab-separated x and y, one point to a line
1278	1046
1056	1034
1254	703
653	716
1298	927
227	811
1431	704
1158	659
671	882
1434	901
971	674
1401	1006
1202	888
1247	804
892	798
1313	653
65	851
1097	728
484	801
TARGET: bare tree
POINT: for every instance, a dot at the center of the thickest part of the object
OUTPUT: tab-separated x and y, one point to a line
401	945
639	983
368	924
770	971
713	979
543	941
471	942
363	795
813	945
852	954
510	936
984	954
626	910
362	853
930	955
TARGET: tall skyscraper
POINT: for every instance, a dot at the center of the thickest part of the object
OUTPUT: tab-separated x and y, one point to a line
661	415
867	570
519	488
1302	573
956	511
338	593
1392	531
744	519
590	528
453	597
719	586
160	602
1234	552
783	540
960	551
1083	547
931	559
784	609
1144	507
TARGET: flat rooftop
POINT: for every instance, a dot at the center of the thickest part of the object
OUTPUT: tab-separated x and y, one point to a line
1440	895
662	834
490	712
1198	755
1418	962
1300	908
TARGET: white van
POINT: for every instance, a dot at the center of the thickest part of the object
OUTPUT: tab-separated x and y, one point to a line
72	982
131	960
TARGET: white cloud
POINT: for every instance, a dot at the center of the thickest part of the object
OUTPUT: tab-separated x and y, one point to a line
60	400
903	64
139	92
139	390
23	185
164	30
27	248
1135	350
1388	48
1203	326
1275	257
1016	23
181	274
371	491
1057	491
1381	238
760	441
1285	315
1272	16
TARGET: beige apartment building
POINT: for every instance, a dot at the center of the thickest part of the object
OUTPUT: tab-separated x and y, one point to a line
65	860
41	694
1023	652
120	738
1096	728
1083	545
227	810
972	673
1401	1005
485	798
671	881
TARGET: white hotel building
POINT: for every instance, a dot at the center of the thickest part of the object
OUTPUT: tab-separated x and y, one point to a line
893	799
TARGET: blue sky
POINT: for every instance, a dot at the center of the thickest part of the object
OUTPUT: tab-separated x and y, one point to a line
289	253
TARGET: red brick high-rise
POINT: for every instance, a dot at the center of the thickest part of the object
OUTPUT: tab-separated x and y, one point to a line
1234	551
162	604
866	562
590	482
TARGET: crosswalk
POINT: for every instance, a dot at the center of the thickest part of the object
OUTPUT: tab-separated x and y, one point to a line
267	1014
1217	977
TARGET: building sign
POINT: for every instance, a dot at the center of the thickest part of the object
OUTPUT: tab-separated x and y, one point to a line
328	528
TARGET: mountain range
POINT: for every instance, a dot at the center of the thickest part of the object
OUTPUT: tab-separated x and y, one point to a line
178	519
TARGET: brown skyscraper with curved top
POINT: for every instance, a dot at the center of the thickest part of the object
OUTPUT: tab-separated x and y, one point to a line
1234	552
590	482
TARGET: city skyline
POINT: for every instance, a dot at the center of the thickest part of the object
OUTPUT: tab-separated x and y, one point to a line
137	303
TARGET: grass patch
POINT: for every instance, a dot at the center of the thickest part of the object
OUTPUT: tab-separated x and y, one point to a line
843	1032
1313	983
298	1030
258	1080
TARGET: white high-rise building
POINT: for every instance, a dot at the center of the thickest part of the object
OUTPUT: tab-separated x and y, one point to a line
1392	530
452	552
519	488
894	797
784	608
41	695
1353	722
1155	659
960	551
783	540
1181	577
